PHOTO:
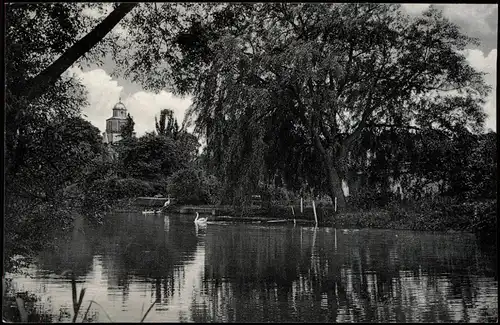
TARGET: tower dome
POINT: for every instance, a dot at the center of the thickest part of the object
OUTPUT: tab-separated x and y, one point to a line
119	110
119	105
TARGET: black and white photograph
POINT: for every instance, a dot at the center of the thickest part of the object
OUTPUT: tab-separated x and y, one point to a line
250	162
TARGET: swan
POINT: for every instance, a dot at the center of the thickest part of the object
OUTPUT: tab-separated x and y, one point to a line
199	220
167	203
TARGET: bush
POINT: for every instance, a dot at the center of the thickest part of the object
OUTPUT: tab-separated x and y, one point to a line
121	188
30	226
130	187
445	213
193	186
369	198
102	194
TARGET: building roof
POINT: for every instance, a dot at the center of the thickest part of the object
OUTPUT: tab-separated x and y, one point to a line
120	106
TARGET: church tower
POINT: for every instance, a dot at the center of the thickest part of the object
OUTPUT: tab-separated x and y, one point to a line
115	123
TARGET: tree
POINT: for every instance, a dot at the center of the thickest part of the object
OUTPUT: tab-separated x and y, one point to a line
57	156
472	169
167	125
192	186
60	154
188	145
384	157
149	157
31	76
336	69
128	128
463	165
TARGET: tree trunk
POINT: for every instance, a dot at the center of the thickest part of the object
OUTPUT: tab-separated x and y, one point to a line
335	184
334	181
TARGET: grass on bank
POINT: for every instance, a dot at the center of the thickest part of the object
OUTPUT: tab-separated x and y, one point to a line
424	215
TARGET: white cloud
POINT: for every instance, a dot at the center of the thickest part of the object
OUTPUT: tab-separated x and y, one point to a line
104	93
475	20
470	13
144	106
487	64
475	14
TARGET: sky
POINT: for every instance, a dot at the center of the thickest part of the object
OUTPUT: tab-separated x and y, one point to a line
476	20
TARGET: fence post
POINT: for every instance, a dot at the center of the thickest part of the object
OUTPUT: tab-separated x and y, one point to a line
315	216
335	239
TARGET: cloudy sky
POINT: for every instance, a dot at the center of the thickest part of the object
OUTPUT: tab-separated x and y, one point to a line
476	20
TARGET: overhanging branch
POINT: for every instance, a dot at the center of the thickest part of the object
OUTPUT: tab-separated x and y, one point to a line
36	86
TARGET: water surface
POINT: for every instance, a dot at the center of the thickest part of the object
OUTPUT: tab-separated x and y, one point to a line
264	273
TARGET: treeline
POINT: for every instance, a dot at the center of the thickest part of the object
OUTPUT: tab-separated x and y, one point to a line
311	95
414	165
161	162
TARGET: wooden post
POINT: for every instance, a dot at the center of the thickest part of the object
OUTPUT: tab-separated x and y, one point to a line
335	239
315	216
335	204
301	206
300	238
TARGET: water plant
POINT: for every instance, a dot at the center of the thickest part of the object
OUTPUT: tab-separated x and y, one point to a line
20	303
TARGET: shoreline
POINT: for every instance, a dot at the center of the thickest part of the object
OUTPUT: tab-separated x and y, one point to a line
400	219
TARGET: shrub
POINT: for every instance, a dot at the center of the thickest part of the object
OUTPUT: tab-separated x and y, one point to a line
102	194
193	186
368	198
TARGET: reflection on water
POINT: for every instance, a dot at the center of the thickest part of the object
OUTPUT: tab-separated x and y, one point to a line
250	273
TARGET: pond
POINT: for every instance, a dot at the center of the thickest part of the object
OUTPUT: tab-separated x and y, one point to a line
263	273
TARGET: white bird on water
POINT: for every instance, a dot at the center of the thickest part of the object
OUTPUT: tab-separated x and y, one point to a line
200	221
167	203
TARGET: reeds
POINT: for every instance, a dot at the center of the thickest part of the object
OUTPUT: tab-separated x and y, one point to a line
147	312
104	310
77	303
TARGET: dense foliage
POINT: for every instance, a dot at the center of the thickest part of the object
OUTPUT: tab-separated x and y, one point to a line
128	128
424	164
313	76
193	186
168	125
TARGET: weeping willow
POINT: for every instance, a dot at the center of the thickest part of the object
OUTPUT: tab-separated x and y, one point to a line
224	113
